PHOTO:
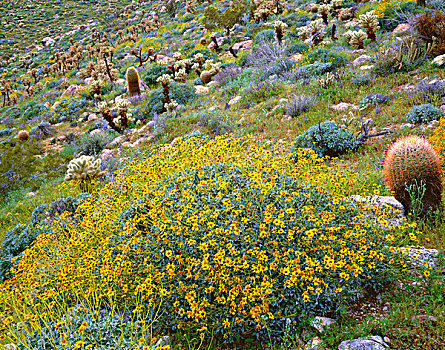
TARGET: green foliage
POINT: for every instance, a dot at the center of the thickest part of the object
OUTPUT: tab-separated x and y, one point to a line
423	114
182	93
216	18
153	72
105	329
326	56
296	48
264	35
33	109
92	145
396	13
326	139
69	108
22	235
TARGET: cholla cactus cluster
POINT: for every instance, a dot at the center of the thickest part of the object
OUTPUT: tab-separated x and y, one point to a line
280	27
266	8
313	33
123	116
324	10
171	107
370	23
165	81
356	37
83	168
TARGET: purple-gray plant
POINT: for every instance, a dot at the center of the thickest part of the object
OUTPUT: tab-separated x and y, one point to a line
299	104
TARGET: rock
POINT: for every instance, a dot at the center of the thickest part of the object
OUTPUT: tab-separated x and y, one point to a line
424	318
367	67
297	57
117	141
407	87
439	60
313	344
235	100
401	29
30	194
205	76
419	256
95	132
244	45
342	106
213	84
322	323
361	60
88	81
92	116
202	90
72	90
213	108
106	153
48	41
359	51
394	209
407	125
373	343
219	40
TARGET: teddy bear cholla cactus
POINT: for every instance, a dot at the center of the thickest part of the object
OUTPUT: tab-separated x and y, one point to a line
324	10
370	22
280	27
83	168
356	37
313	33
171	107
165	81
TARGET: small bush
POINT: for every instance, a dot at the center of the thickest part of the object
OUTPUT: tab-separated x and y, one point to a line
69	108
326	56
296	48
429	24
92	145
153	72
374	99
259	91
42	130
215	122
327	139
299	104
33	109
182	93
227	75
423	114
264	35
362	80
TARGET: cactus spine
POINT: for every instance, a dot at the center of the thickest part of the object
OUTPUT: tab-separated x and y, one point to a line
133	82
411	161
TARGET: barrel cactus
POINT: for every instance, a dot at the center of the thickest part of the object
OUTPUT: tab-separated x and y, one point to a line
83	168
133	82
412	161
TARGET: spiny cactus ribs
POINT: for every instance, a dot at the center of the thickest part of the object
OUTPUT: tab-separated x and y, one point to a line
411	161
133	82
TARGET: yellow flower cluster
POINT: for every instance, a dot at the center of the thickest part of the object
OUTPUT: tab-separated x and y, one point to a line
224	236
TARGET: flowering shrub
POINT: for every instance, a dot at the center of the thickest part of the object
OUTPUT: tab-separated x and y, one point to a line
437	139
68	108
225	237
325	56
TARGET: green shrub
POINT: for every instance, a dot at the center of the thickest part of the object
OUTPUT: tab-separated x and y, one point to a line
92	145
296	48
33	109
153	72
182	93
424	114
264	35
326	56
326	139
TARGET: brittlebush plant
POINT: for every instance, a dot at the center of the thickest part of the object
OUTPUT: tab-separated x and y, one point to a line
226	237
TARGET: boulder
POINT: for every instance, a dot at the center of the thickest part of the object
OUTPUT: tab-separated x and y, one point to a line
401	29
235	100
202	90
372	343
72	90
439	60
243	45
297	57
342	106
361	60
322	323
